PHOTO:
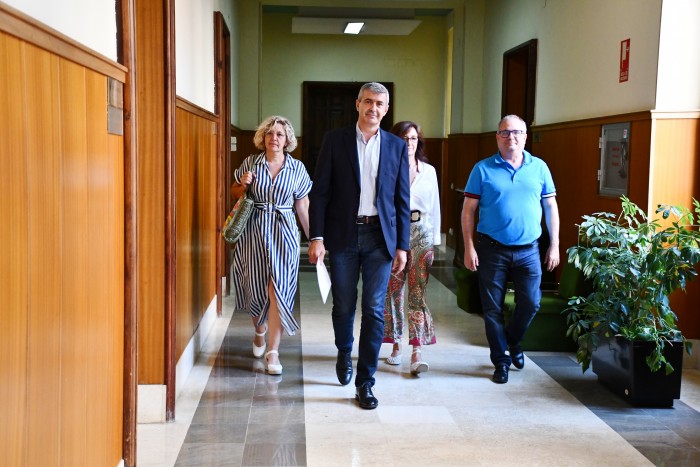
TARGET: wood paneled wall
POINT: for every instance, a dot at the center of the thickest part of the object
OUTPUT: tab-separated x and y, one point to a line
572	154
463	151
61	263
676	179
151	192
196	222
244	148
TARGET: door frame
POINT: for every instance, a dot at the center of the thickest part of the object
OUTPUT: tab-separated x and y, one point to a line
126	56
222	91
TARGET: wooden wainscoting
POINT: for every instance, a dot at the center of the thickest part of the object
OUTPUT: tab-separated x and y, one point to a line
676	179
62	263
463	151
571	151
152	192
196	220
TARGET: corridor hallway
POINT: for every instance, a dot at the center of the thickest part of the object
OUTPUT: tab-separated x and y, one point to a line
231	413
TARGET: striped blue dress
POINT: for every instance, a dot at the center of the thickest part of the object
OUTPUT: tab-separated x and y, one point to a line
269	247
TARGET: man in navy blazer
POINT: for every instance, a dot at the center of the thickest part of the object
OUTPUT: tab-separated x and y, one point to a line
360	212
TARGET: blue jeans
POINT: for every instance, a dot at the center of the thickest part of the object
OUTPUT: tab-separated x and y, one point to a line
367	254
497	264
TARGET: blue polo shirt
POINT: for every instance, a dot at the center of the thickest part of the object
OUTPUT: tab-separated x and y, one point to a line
510	201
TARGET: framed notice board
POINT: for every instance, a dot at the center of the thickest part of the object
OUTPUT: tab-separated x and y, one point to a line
613	175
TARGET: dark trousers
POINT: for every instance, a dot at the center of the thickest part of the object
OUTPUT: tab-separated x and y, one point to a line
522	265
367	255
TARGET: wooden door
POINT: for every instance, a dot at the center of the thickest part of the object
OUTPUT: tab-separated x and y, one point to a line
519	81
222	84
328	105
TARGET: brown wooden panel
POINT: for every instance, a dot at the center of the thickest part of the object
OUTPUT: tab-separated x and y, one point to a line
245	147
196	222
676	169
571	151
151	192
463	152
572	154
62	339
13	255
74	316
184	202
45	239
115	266
101	296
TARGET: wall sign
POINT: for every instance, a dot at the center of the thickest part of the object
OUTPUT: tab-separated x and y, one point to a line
624	60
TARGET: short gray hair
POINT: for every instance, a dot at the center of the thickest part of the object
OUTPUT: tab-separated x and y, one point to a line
265	127
374	88
511	117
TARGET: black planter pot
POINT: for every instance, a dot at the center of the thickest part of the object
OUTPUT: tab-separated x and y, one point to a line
621	367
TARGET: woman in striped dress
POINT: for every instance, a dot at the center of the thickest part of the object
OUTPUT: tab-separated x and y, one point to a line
266	257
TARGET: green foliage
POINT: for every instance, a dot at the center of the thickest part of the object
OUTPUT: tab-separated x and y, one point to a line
635	263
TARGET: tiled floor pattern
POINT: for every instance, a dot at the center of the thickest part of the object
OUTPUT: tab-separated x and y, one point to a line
549	414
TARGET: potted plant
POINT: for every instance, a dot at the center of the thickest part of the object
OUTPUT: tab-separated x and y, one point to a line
635	263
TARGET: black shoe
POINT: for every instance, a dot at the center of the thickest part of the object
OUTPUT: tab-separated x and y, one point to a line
364	396
500	376
343	367
517	358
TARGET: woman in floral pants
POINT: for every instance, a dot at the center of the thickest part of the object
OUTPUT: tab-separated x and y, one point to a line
425	232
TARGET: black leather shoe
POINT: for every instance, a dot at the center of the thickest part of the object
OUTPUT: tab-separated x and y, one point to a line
364	396
500	376
343	367
517	358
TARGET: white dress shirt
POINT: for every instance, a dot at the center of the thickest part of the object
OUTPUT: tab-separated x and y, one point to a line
425	197
368	154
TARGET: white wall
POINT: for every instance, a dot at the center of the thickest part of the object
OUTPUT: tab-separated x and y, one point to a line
678	87
470	24
578	55
249	43
194	48
91	22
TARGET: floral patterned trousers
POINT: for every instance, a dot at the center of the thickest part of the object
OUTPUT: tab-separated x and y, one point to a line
421	330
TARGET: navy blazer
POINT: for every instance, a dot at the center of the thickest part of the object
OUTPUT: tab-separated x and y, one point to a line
335	195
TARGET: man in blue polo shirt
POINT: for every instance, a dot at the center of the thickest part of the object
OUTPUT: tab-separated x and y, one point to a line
510	189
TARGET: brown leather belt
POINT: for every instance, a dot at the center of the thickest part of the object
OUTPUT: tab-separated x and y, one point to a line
367	220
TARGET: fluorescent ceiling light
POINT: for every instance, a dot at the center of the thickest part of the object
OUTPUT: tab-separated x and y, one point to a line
353	28
372	26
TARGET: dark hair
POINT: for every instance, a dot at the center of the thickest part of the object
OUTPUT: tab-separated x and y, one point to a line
401	128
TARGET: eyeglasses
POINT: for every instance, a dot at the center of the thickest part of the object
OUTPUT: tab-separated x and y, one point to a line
412	139
507	133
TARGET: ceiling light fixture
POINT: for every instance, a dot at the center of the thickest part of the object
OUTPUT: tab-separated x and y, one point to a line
353	28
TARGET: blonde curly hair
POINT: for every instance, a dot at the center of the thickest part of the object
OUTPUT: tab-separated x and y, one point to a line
266	126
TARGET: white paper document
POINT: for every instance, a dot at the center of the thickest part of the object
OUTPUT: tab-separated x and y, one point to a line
324	280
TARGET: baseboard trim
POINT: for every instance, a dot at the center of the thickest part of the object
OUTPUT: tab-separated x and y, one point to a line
151	403
194	347
152	397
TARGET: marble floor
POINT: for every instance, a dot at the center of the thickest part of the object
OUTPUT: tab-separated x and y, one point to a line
231	413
